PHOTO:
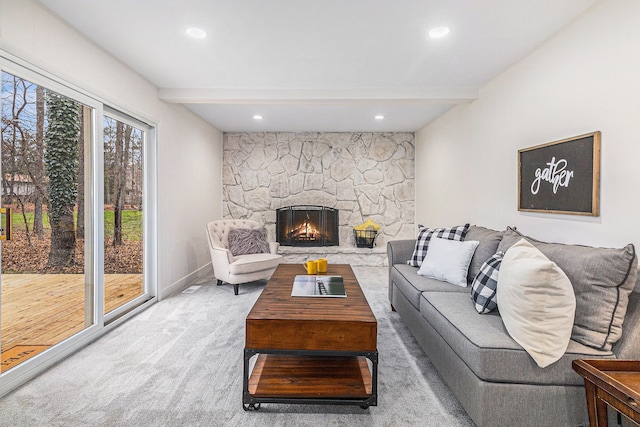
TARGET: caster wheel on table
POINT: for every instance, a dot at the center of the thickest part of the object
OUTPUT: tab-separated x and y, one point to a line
251	407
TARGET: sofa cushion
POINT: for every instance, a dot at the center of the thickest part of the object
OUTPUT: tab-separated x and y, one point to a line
424	236
489	240
252	263
243	241
602	279
536	302
405	279
448	260
484	285
483	344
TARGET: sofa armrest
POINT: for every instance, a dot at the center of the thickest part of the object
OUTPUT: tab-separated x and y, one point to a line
400	251
273	247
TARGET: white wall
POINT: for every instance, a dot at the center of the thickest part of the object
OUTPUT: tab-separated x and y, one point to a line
189	150
587	78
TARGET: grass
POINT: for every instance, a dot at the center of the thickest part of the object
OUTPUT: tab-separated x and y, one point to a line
131	223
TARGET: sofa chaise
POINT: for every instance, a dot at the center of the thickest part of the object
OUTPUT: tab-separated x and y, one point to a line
492	376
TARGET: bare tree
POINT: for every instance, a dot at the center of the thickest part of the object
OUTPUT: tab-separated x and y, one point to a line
38	175
11	145
123	144
80	198
17	131
23	148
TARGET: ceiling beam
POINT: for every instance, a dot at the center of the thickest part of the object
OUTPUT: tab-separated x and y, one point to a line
453	95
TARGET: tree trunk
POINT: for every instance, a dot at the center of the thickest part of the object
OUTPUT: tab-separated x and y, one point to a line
117	189
63	241
61	158
80	198
39	195
24	218
123	142
38	227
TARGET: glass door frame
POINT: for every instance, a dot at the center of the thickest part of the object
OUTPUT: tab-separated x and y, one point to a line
94	226
147	197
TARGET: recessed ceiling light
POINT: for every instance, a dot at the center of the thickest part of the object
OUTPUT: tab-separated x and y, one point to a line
379	117
257	117
196	33
436	33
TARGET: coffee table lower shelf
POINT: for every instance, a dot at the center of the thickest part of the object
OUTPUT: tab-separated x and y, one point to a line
335	378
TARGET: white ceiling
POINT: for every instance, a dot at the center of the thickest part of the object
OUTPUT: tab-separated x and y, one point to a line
328	65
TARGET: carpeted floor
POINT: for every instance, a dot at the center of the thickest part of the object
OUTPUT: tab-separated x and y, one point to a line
179	363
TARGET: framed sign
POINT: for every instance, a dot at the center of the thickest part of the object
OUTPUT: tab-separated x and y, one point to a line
561	177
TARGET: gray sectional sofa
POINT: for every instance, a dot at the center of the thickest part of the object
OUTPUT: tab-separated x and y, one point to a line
494	379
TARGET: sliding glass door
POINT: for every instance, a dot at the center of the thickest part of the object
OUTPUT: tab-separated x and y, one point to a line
46	291
77	217
124	142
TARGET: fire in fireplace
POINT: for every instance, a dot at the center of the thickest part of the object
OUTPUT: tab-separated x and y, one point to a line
307	226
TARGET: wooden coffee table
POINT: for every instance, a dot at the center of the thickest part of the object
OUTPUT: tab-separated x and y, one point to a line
315	350
610	382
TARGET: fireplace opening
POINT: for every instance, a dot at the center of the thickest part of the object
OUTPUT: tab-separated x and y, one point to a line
307	226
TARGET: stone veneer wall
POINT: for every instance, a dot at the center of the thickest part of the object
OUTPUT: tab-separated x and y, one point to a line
364	175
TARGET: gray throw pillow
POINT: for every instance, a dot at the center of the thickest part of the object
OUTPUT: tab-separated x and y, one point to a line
243	241
489	240
602	280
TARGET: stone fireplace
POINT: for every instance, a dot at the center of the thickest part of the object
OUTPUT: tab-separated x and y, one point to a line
363	175
307	226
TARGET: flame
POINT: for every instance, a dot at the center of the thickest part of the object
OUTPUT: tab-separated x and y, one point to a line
305	231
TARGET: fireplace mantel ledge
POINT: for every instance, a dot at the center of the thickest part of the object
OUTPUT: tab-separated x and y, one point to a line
376	256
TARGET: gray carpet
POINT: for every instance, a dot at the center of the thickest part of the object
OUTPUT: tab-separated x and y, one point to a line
180	363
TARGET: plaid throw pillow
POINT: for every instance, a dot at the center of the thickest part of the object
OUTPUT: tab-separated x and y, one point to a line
425	235
484	285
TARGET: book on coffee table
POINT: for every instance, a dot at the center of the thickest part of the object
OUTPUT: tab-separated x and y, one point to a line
318	286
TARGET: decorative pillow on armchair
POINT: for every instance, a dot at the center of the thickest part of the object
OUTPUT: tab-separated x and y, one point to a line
243	241
425	235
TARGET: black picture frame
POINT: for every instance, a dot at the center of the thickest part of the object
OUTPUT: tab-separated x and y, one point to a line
561	177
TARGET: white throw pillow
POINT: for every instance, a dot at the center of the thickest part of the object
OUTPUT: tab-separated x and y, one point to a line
537	303
448	260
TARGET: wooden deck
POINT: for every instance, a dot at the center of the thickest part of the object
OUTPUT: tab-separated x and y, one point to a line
41	310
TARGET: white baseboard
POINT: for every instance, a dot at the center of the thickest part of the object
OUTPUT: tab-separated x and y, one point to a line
187	280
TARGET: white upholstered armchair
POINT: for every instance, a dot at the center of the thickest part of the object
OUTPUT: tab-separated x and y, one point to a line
240	268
